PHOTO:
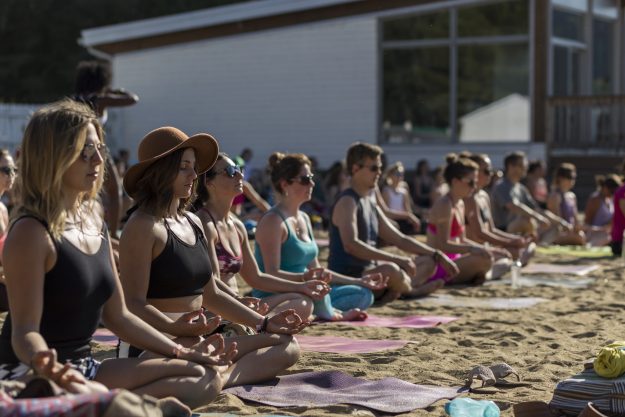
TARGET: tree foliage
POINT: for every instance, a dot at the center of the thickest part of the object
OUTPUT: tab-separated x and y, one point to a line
39	47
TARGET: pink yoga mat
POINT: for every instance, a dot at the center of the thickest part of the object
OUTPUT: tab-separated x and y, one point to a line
335	344
415	322
105	337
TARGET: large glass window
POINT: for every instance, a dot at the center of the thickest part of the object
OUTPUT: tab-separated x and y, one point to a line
416	94
493	83
603	55
440	87
493	19
429	26
568	25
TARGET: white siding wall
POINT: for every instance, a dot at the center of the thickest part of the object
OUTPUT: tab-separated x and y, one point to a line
308	88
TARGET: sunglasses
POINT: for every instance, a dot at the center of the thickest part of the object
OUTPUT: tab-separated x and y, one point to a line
231	171
372	168
90	149
304	179
471	183
8	170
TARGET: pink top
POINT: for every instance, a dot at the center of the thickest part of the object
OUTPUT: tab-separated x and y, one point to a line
618	221
3	239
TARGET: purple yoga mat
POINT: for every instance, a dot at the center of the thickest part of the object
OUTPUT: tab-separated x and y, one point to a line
335	344
321	389
415	322
104	336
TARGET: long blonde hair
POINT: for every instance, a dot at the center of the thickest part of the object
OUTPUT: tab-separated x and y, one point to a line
53	140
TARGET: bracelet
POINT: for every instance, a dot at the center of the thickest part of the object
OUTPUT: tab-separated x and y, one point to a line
262	328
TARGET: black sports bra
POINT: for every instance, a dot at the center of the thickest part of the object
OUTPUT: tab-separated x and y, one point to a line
74	292
180	270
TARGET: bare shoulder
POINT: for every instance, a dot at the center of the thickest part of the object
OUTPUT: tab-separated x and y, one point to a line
441	210
142	226
270	219
345	203
241	230
28	235
194	218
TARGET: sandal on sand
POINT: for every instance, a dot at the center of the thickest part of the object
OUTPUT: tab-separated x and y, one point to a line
503	370
483	376
591	411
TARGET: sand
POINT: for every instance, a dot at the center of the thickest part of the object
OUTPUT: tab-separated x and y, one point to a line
545	343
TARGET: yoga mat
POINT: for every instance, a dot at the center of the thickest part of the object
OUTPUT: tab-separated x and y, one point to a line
579	251
335	344
491	303
233	415
536	280
320	389
415	322
579	270
104	336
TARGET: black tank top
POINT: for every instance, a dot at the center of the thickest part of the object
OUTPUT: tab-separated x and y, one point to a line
180	270
74	292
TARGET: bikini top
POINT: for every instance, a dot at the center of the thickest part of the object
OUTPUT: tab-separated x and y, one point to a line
456	229
180	270
228	263
74	293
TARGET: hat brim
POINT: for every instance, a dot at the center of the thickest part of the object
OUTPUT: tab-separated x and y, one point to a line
206	151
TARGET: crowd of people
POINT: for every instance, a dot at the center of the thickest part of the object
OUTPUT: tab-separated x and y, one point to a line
168	286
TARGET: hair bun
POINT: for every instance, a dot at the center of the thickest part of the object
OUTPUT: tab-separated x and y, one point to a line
450	158
275	158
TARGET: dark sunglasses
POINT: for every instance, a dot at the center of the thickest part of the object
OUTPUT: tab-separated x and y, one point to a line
90	149
372	168
8	170
231	171
471	183
304	179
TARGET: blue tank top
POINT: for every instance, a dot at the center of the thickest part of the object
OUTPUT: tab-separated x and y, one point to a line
295	254
367	218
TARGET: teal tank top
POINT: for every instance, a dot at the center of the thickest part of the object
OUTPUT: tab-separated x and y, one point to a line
295	254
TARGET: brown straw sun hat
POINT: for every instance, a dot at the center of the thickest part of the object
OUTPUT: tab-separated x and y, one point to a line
164	141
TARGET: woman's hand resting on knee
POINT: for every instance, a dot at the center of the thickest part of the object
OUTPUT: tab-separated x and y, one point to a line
286	322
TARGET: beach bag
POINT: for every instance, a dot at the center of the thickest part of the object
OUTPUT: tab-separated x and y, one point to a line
607	394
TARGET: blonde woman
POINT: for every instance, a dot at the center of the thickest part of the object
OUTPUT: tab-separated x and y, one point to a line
61	279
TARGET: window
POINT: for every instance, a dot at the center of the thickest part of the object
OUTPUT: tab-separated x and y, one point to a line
437	86
416	94
568	25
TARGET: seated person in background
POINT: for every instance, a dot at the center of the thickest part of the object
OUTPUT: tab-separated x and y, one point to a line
336	180
618	221
446	231
563	203
516	211
397	198
286	247
229	246
440	187
422	185
8	172
480	225
357	223
166	271
600	210
536	183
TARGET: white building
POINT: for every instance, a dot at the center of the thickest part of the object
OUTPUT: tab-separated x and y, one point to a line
313	76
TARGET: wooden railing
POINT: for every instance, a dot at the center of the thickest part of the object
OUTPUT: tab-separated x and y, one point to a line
586	123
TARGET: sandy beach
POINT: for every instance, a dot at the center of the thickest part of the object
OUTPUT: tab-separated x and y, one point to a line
545	343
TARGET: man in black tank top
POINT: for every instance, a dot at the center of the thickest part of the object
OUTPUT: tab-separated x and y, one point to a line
357	224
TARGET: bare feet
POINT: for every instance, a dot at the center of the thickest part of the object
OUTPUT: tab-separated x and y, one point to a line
427	288
355	314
